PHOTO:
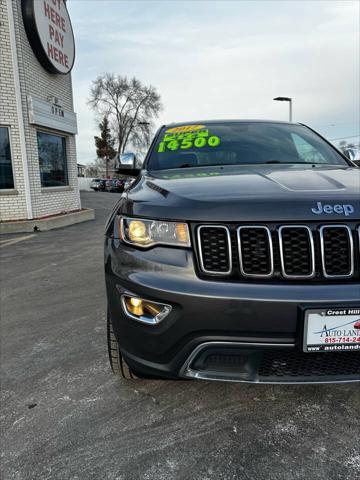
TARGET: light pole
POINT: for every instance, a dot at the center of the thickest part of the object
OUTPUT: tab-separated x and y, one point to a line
286	99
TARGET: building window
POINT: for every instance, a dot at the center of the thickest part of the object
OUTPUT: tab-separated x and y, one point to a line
52	160
6	171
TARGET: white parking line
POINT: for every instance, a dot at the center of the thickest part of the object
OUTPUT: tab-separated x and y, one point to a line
12	241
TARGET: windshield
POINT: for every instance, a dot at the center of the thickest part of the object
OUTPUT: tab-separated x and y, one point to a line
240	143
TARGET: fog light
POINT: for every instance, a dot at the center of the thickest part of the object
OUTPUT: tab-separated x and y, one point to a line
144	310
135	306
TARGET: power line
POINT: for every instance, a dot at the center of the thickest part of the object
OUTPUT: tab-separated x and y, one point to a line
352	146
335	124
344	138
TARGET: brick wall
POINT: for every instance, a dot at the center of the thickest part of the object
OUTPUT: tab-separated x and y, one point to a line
36	81
12	203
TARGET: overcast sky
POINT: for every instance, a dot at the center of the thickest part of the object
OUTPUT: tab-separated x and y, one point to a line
224	59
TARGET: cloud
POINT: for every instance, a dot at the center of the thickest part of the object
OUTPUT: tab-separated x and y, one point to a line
224	59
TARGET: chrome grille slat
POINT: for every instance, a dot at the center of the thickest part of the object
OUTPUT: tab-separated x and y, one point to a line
310	259
325	250
269	247
292	252
201	247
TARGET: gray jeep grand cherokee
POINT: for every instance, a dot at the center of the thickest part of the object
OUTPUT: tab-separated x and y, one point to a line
235	256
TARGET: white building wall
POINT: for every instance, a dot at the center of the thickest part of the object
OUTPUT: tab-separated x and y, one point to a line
34	81
12	202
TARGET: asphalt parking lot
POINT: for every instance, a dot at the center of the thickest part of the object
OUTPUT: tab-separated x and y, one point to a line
65	416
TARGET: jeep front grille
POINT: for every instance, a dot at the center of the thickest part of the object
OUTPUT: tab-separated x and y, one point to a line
337	251
255	251
215	252
264	363
297	253
292	252
299	364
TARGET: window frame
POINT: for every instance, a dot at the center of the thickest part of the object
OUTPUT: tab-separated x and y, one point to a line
66	150
13	189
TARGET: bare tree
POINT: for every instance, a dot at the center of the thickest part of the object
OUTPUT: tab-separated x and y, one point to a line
93	170
130	106
343	145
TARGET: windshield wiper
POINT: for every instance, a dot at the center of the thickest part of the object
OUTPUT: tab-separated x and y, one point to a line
287	163
278	162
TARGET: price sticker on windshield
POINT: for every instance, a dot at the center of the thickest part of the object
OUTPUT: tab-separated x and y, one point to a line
186	137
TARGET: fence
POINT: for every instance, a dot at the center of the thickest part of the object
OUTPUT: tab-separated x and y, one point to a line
84	183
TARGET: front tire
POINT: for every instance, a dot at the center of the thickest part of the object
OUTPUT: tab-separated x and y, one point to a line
118	365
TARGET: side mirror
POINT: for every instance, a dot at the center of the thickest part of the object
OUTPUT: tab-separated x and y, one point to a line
128	164
353	155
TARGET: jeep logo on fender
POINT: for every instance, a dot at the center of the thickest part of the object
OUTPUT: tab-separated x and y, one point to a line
337	208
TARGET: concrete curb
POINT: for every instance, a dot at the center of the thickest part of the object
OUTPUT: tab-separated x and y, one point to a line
44	224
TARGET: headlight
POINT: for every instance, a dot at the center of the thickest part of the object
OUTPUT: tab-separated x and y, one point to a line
146	233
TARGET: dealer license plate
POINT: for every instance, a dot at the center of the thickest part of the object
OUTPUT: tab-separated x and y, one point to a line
332	330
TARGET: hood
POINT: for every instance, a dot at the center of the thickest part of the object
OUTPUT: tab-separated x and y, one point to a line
248	193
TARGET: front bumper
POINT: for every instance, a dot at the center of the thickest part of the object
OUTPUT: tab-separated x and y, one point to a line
259	363
220	330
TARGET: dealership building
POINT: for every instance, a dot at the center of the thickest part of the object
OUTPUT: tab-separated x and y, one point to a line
38	169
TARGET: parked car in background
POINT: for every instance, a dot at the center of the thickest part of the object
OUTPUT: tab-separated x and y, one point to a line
117	185
108	185
113	185
96	184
